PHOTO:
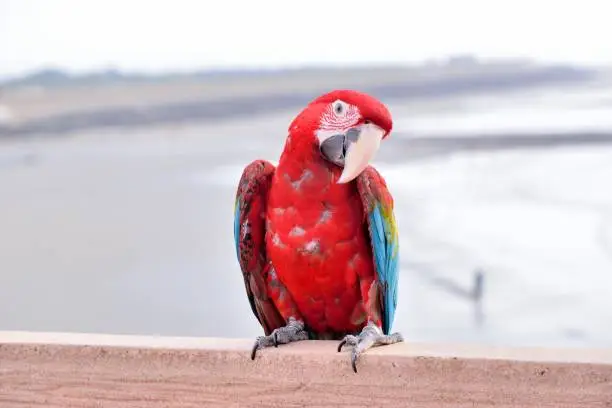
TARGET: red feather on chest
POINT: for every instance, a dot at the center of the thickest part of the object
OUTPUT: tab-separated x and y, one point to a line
318	243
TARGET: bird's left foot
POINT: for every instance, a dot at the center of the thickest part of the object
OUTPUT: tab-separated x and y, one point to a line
370	336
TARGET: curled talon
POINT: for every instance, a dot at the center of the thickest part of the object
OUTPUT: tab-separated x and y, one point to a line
342	343
354	360
254	350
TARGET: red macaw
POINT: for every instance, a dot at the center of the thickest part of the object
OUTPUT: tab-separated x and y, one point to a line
316	236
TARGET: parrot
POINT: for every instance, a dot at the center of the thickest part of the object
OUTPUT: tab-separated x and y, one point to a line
316	236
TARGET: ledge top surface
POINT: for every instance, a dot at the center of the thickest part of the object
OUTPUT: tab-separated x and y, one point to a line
407	349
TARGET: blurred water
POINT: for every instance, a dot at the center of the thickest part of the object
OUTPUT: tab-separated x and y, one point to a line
528	112
131	232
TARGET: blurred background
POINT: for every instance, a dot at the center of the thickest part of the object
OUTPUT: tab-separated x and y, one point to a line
124	128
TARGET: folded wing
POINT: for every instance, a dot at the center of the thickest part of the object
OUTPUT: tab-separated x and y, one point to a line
249	238
380	218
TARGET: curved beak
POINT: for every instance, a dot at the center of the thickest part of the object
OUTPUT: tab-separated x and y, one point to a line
361	151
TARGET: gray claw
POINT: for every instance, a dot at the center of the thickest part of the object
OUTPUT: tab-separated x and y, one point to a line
254	350
370	336
354	360
293	331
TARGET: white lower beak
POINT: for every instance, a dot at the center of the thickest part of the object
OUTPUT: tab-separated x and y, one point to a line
361	152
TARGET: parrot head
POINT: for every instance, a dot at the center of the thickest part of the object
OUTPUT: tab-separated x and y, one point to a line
346	127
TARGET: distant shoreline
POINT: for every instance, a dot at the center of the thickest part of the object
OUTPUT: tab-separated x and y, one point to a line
229	105
415	148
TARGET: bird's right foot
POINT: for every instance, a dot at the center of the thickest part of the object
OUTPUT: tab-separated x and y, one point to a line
293	331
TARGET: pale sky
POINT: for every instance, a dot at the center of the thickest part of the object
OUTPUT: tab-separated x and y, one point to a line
158	35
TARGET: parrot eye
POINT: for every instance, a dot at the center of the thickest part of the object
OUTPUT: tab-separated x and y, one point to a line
339	108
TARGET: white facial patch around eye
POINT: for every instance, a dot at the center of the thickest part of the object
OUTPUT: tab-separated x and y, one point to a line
337	118
339	108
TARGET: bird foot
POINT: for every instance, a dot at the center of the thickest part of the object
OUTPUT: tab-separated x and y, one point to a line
370	336
293	331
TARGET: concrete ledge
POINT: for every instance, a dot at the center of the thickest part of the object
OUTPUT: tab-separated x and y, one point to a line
88	370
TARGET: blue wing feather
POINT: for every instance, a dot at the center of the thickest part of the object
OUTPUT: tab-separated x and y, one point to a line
385	241
237	226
